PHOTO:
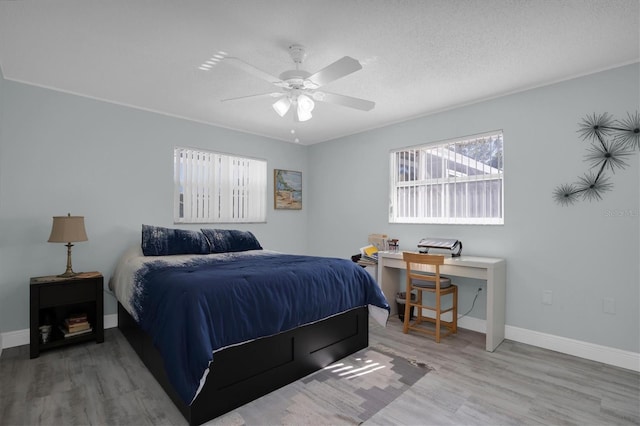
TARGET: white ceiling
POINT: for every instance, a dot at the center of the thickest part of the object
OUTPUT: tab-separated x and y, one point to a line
418	56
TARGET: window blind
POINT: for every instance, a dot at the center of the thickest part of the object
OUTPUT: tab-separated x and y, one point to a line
457	181
211	187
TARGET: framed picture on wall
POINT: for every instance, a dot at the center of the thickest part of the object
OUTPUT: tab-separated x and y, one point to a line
287	190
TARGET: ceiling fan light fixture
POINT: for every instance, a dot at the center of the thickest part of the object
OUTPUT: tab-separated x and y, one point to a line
281	106
306	103
304	108
303	115
299	87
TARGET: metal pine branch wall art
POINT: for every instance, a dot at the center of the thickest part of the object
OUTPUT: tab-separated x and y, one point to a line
611	142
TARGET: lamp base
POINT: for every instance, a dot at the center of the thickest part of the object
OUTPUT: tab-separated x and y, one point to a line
68	274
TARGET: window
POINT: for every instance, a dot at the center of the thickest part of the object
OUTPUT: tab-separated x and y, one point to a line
458	181
210	187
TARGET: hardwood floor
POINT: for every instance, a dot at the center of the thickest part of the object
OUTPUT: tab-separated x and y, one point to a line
107	384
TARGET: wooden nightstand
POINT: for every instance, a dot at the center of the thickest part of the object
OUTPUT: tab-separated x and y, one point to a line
53	299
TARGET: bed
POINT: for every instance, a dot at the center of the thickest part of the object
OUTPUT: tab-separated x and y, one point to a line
219	321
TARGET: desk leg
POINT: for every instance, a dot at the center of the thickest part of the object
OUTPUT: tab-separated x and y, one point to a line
496	303
388	282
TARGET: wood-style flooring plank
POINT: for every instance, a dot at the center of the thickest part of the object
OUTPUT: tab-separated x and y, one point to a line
106	384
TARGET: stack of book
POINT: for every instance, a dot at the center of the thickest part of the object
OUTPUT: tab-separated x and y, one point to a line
369	255
76	325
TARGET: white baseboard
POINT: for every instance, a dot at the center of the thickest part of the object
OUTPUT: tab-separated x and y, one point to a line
11	339
110	321
468	323
473	324
604	354
607	355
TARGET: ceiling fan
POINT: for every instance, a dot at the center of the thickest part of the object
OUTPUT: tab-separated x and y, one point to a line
299	88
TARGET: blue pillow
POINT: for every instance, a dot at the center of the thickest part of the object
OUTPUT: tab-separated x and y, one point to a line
230	240
158	241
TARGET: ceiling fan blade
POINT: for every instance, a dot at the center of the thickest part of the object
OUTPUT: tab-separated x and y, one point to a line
259	95
240	64
343	100
336	70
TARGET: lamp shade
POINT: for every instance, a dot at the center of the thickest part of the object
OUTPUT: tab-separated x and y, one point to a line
305	103
305	106
67	229
303	115
281	106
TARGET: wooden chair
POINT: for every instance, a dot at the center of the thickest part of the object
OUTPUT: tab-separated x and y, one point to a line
417	279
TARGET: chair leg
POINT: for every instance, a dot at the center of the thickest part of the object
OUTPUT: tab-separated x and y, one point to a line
437	317
455	309
407	310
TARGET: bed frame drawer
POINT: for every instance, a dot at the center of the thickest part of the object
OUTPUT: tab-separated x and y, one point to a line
242	373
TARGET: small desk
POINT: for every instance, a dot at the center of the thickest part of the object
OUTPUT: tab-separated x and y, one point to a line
492	270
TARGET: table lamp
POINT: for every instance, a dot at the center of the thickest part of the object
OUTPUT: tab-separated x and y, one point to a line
68	229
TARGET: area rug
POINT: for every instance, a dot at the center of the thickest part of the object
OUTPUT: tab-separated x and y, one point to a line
347	392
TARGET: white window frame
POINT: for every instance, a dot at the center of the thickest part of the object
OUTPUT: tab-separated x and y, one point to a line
421	191
213	187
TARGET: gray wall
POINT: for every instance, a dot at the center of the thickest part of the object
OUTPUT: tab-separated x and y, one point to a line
61	153
582	253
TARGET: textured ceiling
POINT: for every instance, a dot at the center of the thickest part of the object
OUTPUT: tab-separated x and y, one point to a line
418	56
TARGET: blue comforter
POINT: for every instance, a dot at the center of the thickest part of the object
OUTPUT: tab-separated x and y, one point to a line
192	310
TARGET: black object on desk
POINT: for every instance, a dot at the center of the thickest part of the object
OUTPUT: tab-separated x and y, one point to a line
453	245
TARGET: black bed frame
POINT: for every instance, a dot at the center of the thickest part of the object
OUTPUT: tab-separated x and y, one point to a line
248	371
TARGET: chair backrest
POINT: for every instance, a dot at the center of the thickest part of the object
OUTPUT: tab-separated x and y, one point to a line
434	260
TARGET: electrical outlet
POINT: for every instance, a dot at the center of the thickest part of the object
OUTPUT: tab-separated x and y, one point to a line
609	305
547	297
